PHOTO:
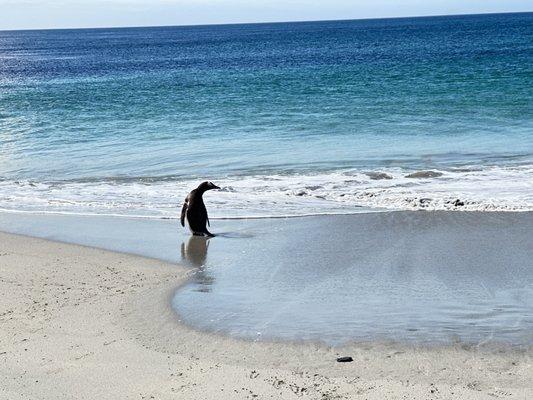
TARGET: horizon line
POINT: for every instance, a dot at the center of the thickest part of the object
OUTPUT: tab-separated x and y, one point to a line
262	22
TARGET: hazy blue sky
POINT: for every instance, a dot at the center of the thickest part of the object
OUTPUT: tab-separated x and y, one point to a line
20	14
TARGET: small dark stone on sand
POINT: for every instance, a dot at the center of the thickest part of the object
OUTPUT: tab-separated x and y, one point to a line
344	359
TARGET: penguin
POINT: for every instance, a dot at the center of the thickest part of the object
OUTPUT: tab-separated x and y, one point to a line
195	212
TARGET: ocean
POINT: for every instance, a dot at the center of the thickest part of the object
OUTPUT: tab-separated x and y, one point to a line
289	119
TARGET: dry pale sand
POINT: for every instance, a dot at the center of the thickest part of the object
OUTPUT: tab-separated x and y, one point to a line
82	323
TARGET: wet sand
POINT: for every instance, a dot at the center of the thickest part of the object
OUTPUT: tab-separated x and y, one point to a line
85	323
410	277
424	278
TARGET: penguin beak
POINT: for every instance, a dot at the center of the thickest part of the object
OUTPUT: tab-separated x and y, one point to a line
215	187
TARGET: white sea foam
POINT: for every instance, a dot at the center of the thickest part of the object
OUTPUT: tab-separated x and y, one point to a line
349	191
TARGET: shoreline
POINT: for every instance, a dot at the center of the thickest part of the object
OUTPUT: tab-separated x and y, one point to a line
260	217
383	237
115	322
187	272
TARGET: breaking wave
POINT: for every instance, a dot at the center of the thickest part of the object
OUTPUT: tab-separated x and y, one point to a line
493	188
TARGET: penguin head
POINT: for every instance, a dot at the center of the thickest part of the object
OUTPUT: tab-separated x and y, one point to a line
205	186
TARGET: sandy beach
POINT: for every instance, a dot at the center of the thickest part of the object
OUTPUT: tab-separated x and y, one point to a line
84	323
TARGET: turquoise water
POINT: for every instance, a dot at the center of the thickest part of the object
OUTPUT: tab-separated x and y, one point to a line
290	119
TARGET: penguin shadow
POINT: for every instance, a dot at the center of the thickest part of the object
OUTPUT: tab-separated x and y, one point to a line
194	254
234	235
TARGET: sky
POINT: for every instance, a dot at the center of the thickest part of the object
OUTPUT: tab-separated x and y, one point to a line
42	14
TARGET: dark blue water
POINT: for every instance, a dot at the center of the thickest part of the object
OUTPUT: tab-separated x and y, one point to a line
290	118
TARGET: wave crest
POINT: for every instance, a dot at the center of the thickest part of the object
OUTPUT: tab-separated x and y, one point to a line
348	191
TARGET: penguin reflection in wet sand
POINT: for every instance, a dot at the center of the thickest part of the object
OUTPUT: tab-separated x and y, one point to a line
195	212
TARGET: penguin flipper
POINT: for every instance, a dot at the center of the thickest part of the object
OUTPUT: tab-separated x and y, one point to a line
183	213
